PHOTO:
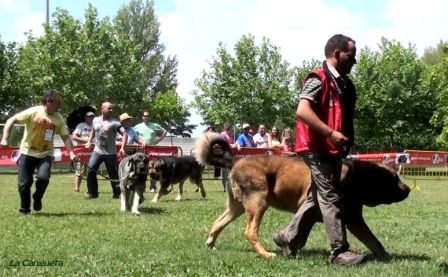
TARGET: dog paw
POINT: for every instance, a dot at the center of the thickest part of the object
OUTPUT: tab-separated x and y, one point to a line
269	255
123	209
135	212
178	198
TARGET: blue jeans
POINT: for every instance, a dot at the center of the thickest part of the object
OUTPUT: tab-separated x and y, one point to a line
112	169
27	166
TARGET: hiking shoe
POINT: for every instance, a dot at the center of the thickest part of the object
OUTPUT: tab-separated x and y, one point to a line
348	258
37	204
281	242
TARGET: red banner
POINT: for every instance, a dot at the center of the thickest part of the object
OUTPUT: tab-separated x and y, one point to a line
9	156
432	158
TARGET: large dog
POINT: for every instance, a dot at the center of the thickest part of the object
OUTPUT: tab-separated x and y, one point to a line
133	172
169	171
257	182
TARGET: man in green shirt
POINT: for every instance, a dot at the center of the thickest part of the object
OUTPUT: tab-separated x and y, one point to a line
151	133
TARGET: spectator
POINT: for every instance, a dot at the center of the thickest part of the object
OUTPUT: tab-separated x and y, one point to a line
133	137
261	139
81	136
245	139
275	140
152	134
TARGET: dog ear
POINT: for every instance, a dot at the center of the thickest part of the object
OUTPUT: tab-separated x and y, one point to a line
130	161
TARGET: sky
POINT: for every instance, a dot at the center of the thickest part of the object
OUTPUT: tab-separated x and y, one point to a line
192	29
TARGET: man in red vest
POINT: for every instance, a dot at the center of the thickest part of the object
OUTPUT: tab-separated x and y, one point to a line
325	132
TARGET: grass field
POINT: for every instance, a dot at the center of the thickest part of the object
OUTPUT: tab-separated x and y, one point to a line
93	238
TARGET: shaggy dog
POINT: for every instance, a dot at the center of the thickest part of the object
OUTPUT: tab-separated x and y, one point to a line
259	182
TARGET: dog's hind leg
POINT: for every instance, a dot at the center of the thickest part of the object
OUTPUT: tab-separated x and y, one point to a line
256	206
234	210
202	190
181	190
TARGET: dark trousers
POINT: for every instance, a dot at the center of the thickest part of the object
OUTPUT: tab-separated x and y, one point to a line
112	170
27	166
323	198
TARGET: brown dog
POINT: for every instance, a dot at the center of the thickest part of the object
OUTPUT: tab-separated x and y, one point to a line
259	182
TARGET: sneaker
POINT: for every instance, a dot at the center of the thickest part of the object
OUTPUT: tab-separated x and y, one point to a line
91	196
281	242
37	204
348	258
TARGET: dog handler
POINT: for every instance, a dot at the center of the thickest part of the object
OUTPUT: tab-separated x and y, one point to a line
36	149
324	127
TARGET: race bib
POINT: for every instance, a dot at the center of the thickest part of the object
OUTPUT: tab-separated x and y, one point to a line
48	134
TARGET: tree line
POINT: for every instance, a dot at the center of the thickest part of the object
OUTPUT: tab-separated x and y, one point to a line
402	99
90	61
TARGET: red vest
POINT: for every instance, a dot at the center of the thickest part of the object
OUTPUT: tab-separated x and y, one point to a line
328	109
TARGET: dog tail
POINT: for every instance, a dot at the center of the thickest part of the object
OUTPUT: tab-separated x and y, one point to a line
205	153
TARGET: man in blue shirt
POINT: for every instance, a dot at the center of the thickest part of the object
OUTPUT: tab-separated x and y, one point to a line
133	137
245	139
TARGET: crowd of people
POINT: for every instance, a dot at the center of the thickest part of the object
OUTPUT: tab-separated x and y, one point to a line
324	132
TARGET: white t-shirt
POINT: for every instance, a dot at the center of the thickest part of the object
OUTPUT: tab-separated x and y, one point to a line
261	141
83	131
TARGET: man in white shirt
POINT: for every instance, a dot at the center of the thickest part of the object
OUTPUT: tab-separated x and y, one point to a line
261	139
80	136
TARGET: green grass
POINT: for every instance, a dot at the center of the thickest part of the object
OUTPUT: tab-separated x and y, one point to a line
93	238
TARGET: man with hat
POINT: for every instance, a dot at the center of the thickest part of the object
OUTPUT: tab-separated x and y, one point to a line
80	136
133	137
245	139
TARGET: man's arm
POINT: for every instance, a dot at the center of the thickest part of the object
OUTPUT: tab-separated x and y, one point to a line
306	113
7	130
91	137
76	136
162	136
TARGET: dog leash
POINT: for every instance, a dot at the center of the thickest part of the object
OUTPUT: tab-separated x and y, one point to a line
107	178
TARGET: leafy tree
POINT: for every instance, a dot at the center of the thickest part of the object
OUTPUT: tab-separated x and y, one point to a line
436	82
12	96
253	86
434	55
165	109
393	109
88	61
138	22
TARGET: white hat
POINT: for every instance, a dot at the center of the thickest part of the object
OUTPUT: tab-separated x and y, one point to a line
245	125
90	114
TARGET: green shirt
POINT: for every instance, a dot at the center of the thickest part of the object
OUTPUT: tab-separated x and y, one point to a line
148	132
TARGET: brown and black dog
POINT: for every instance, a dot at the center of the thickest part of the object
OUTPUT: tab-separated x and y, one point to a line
170	171
259	182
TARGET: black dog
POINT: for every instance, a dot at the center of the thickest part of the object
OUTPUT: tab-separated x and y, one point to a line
170	171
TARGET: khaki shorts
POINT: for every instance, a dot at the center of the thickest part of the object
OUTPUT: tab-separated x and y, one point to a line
80	169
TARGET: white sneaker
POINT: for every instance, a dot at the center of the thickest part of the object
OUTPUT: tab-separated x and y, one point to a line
152	191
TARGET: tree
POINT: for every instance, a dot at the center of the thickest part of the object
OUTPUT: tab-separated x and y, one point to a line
434	55
165	109
12	95
89	62
436	83
138	23
393	109
254	86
